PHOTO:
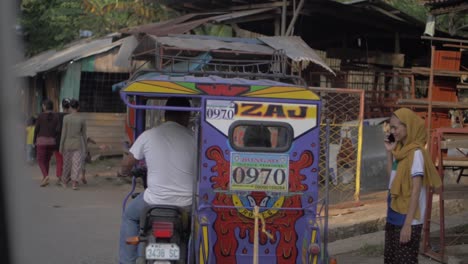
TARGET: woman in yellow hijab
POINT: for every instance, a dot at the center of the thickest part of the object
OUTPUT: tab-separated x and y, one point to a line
411	173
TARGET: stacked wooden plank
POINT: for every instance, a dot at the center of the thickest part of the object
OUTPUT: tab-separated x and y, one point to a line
423	103
108	131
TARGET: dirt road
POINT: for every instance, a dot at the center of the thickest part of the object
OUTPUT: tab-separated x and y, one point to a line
82	227
68	226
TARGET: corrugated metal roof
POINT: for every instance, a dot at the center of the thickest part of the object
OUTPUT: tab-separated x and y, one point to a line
30	66
238	14
103	49
225	39
178	25
124	56
211	44
146	27
77	50
185	23
296	49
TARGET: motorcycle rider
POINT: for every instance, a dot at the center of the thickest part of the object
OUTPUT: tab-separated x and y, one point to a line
169	151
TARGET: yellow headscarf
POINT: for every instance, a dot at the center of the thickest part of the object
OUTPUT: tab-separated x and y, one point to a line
416	139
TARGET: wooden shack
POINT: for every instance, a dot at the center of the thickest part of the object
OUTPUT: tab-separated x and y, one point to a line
83	70
107	130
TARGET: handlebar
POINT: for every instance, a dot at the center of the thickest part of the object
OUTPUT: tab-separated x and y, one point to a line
136	172
139	172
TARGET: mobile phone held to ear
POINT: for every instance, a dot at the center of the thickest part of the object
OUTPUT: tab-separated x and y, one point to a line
391	138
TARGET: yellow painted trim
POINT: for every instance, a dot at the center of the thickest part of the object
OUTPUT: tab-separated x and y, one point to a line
299	94
358	162
277	89
204	245
312	240
158	87
284	92
200	254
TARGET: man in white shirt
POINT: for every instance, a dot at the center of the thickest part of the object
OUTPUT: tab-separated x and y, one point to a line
169	151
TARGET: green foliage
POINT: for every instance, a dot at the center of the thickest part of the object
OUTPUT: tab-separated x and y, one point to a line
214	30
410	7
453	23
49	24
113	15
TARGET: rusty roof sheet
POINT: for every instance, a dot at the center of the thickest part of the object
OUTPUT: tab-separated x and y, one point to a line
296	49
177	25
188	22
238	14
211	44
52	59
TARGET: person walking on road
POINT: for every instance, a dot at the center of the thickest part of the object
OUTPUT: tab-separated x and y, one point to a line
73	145
411	171
57	154
45	135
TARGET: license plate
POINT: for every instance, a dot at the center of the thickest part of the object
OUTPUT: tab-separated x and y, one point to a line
163	251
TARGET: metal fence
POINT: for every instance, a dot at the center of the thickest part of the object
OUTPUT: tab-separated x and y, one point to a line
382	88
96	94
344	108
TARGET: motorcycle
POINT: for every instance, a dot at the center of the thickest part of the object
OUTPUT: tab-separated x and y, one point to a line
164	229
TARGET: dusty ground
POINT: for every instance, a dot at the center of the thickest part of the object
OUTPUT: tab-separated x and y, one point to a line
372	255
104	171
59	225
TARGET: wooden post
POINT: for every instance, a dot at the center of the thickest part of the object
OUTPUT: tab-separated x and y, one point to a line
293	20
283	17
277	26
397	42
256	235
429	97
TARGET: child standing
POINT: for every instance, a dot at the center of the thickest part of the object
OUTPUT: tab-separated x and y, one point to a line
30	153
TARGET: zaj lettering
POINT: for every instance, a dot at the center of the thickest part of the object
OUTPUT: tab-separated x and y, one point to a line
271	110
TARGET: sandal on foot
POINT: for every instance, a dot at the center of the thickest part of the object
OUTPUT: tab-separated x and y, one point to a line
63	184
45	181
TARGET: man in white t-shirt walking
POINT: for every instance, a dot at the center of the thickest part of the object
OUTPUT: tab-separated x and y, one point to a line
170	154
